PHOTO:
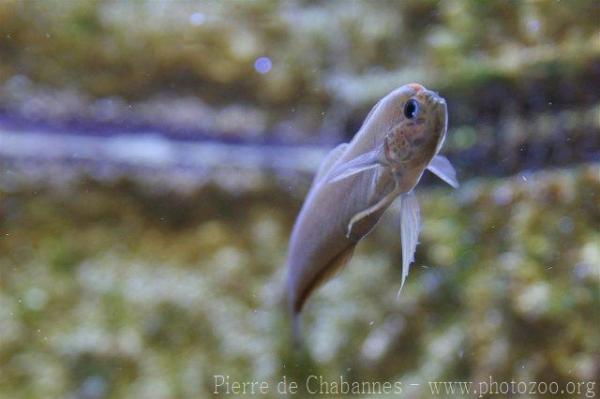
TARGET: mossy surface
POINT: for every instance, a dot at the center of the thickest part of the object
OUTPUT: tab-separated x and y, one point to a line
122	290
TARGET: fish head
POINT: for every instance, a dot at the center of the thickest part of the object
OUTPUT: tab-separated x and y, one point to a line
418	129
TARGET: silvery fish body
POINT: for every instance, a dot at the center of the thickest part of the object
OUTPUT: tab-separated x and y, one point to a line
356	183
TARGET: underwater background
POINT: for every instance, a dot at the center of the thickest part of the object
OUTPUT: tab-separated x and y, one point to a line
154	156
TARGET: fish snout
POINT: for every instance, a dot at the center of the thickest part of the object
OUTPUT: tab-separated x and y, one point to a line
441	124
433	98
438	106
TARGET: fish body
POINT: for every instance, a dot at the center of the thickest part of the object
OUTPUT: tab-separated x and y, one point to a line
358	181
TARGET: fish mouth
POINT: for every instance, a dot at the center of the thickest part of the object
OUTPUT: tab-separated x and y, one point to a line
433	98
440	110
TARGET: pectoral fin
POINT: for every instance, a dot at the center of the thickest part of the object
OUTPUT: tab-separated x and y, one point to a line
443	169
329	161
410	224
366	161
381	204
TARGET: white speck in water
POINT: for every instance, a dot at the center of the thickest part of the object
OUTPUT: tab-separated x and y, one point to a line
523	177
263	65
371	322
197	19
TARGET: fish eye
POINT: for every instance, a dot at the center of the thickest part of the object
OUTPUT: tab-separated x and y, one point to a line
411	108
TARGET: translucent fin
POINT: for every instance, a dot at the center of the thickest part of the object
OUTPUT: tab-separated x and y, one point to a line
359	164
443	169
410	224
329	161
384	202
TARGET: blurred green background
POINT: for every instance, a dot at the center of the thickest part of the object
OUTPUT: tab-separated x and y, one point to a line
129	273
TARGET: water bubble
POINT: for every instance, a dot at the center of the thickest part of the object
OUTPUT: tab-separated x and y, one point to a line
197	19
263	65
533	25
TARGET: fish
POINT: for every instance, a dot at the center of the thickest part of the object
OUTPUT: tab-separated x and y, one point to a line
357	181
